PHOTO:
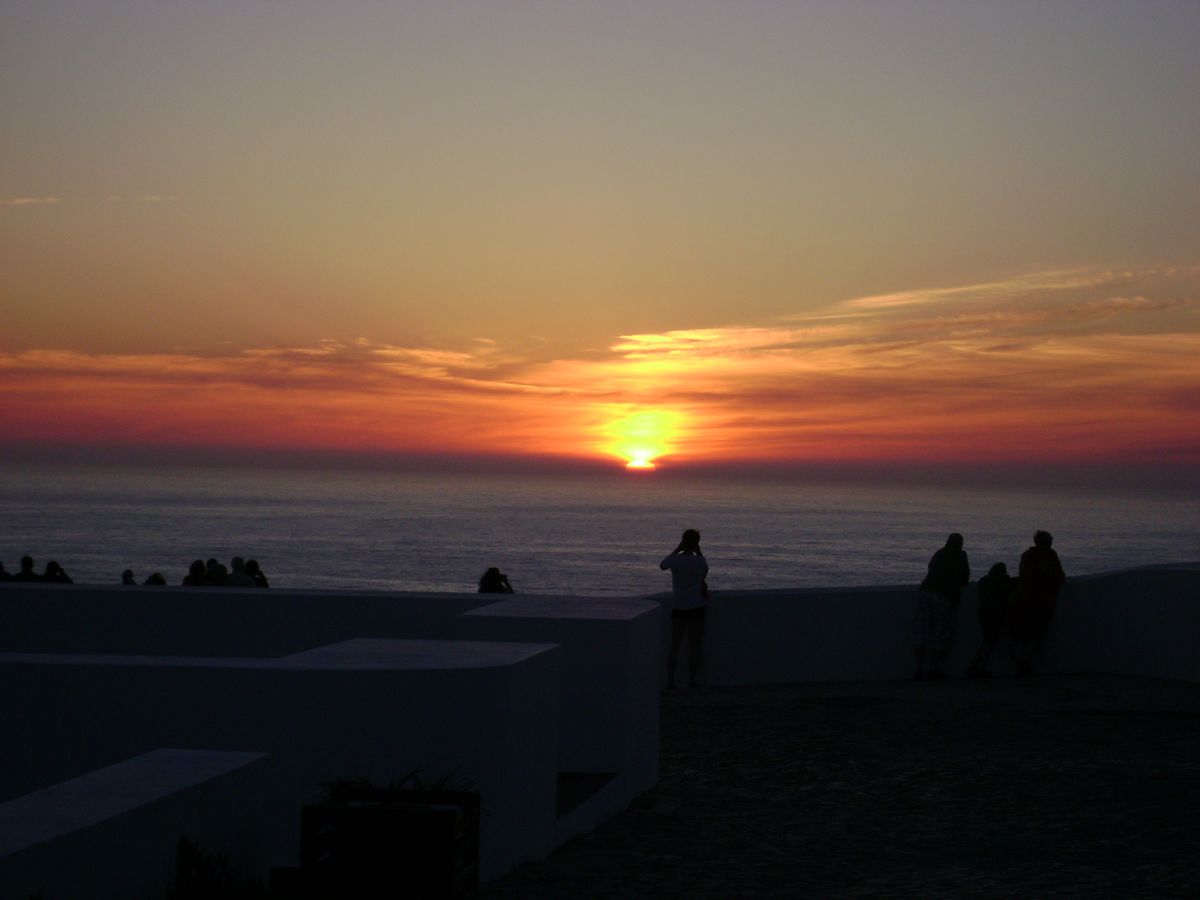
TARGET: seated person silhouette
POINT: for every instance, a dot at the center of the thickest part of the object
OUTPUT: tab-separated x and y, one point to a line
127	577
493	581
214	573
195	575
155	579
253	570
56	574
237	576
27	573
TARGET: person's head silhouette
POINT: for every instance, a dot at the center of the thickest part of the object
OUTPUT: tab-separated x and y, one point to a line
690	542
955	541
1042	539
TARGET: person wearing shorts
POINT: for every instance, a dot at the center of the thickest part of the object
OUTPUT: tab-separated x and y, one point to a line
689	603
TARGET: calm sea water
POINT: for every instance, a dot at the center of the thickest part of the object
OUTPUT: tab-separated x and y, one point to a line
576	534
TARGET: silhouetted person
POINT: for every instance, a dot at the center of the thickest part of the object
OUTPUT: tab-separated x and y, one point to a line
55	574
237	576
155	579
937	602
195	575
1041	577
26	573
5	575
214	573
127	577
689	603
995	598
253	570
493	581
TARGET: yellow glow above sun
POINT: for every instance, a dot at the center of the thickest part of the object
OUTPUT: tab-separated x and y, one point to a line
641	437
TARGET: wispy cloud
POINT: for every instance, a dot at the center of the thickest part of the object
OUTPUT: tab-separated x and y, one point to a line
1022	286
30	201
140	198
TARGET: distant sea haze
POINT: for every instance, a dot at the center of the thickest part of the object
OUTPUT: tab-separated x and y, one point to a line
562	533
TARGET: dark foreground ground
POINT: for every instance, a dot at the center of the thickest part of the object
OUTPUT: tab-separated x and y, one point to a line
1083	786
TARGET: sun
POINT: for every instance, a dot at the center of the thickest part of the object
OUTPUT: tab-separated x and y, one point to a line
641	436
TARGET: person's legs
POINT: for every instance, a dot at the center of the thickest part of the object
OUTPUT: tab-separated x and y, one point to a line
939	640
921	622
677	629
978	661
695	630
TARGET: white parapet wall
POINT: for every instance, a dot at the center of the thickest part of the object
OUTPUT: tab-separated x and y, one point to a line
207	621
609	711
1142	621
486	712
112	834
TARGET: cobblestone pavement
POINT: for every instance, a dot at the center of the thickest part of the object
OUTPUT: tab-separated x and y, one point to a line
1084	786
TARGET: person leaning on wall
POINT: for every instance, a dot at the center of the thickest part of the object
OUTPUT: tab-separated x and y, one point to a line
937	601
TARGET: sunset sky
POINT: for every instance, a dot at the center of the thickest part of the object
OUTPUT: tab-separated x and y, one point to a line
682	232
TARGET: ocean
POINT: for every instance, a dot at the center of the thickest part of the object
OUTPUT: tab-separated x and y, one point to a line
582	534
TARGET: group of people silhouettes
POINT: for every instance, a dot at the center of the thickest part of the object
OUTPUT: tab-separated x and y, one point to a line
1024	603
53	574
210	573
241	573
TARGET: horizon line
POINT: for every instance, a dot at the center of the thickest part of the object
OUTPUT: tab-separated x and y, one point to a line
1034	473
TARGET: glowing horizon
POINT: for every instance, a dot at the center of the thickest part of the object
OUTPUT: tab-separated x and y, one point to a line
1056	366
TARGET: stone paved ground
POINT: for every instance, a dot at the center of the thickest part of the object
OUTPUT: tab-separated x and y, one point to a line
1083	786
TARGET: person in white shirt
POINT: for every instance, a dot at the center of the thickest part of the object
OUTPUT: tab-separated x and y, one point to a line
689	602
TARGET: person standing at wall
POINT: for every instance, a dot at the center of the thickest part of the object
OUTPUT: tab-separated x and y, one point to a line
995	593
1039	580
689	603
937	603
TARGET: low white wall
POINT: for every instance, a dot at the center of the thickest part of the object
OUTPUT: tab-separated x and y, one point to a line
1137	622
112	834
179	621
609	710
374	709
1133	622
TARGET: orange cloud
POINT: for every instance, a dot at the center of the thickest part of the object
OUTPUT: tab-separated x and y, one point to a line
1057	366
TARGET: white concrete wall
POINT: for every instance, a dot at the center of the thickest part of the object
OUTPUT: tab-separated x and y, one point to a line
609	709
1138	622
1134	622
374	709
112	834
178	621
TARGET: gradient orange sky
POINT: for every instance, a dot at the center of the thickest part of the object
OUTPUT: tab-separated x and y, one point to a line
753	232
